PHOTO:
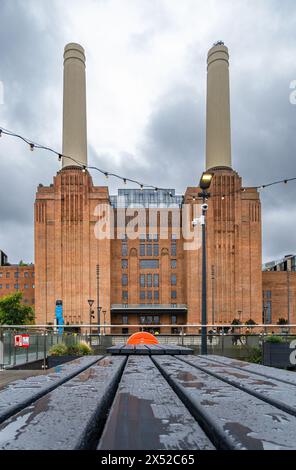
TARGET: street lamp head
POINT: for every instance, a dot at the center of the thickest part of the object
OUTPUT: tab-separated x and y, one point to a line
205	180
90	302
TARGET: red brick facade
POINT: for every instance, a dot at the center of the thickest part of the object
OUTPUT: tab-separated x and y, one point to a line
67	254
15	278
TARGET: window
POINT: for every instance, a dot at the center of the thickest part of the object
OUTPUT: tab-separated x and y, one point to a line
124	249
142	320
16	274
173	280
7	274
26	286
125	319
16	286
156	250
142	295
156	319
33	286
26	274
142	249
156	295
7	286
149	295
1	274
268	294
149	280
124	331
174	236
125	295
124	280
149	250
149	264
155	280
124	264
155	237
0	286
142	280
173	263
173	294
174	320
173	249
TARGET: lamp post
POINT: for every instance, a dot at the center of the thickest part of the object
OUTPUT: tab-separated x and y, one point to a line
204	184
91	315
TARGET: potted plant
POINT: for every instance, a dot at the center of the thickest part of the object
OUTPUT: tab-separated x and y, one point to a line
61	353
276	352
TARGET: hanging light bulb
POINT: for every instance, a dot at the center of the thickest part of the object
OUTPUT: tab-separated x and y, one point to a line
84	169
32	147
124	180
60	157
106	175
156	189
141	187
0	132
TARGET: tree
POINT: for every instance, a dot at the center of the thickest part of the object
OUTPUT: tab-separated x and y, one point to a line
250	322
13	312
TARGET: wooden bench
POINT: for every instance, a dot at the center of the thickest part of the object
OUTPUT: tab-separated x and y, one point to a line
151	401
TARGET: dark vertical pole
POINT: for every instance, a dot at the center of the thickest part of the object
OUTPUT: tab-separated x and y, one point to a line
204	285
98	298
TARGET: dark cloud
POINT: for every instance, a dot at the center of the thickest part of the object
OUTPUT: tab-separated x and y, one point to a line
261	38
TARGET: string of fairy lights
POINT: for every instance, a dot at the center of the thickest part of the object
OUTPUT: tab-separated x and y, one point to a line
34	145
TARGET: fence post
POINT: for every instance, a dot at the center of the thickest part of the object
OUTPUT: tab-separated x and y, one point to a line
182	335
37	346
1	349
44	351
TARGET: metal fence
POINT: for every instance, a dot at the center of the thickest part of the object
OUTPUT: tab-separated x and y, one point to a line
236	342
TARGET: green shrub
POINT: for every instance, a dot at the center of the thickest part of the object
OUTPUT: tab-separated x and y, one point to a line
84	349
255	355
58	350
274	339
79	349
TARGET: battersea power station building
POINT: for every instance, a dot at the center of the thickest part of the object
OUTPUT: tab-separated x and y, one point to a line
137	254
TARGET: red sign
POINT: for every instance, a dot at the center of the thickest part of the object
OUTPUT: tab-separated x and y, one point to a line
22	341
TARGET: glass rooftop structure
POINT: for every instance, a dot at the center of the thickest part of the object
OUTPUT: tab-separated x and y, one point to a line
146	198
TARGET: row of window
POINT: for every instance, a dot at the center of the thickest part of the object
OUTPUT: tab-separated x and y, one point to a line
148	295
149	249
16	286
149	319
147	280
17	274
148	262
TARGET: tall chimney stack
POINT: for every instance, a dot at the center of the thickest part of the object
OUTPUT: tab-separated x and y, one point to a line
218	139
74	106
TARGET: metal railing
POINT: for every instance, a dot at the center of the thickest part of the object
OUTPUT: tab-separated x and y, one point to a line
231	340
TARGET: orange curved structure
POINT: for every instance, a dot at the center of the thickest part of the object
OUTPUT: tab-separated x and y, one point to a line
142	338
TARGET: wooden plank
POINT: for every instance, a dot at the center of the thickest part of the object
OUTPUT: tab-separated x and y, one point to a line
147	414
115	349
154	349
279	394
174	349
288	377
231	417
17	395
141	349
69	417
128	349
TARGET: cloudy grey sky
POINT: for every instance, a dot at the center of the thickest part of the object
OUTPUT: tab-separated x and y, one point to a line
146	88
